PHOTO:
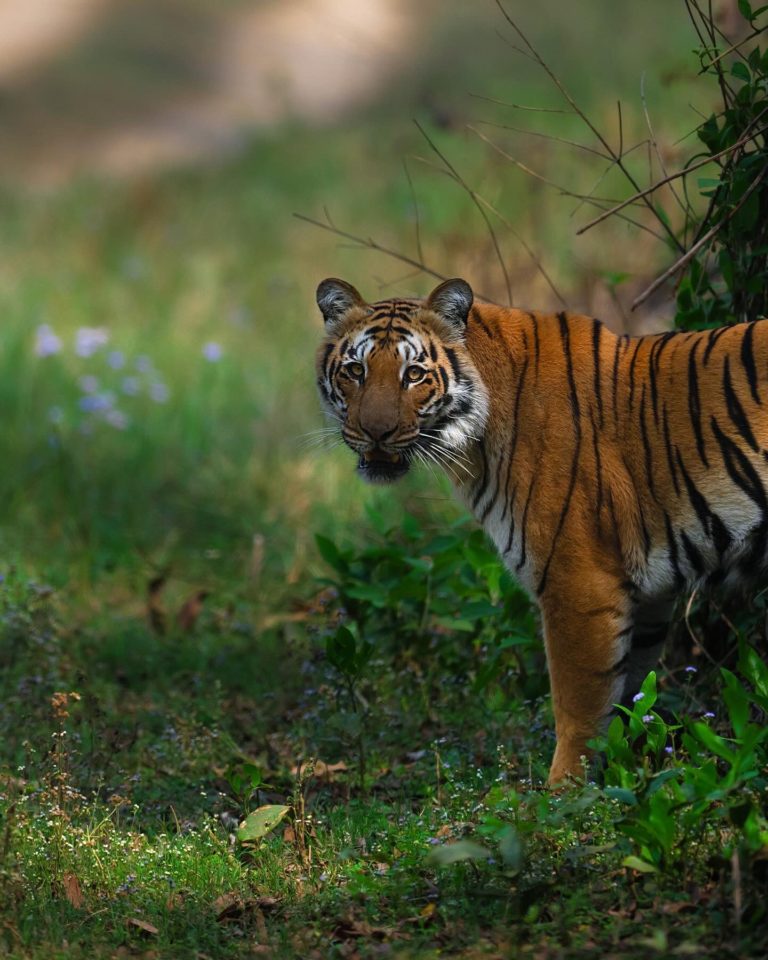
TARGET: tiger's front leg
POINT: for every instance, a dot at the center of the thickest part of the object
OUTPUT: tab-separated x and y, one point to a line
587	634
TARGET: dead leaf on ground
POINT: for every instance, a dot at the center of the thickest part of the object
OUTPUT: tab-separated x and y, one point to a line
191	609
72	890
351	929
231	906
321	770
144	926
155	611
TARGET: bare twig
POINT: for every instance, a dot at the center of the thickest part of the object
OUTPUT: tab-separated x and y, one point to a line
369	243
733	48
690	254
545	136
673	176
473	197
419	250
564	191
686	209
618	160
518	106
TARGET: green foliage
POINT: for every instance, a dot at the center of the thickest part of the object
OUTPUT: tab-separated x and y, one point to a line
727	280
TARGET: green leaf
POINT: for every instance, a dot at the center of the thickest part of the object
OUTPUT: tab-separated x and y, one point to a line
330	553
635	863
456	852
740	71
259	823
511	849
622	794
745	9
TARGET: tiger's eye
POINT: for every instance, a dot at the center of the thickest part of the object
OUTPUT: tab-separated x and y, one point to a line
355	369
413	373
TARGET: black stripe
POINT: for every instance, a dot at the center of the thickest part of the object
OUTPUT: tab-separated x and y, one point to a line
484	478
515	431
712	339
735	409
646	446
597	328
674	555
476	318
575	410
511	503
453	360
748	359
668	448
694	403
536	346
740	470
598	471
693	554
633	361
712	525
524	525
615	377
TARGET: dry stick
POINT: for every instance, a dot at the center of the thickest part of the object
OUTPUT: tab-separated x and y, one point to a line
419	251
473	197
684	207
702	242
618	160
545	136
497	213
673	176
518	106
595	201
733	49
370	244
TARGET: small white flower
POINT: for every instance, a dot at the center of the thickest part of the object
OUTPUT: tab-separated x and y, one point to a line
116	419
212	351
159	392
638	697
90	339
46	341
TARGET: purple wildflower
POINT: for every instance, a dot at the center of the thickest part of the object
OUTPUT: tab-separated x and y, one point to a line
638	697
46	341
90	339
212	351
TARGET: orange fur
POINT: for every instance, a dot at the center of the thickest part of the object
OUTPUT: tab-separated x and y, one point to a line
609	471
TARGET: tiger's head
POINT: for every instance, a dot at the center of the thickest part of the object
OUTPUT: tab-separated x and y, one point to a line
398	378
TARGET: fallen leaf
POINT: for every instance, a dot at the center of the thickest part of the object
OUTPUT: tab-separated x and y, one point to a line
144	926
191	610
259	823
72	890
455	852
155	611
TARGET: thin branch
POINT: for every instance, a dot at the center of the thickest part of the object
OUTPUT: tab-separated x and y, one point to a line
733	48
657	151
419	250
595	201
673	176
518	106
473	197
545	136
585	119
709	235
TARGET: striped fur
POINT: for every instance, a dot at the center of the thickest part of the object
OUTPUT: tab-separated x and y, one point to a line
610	471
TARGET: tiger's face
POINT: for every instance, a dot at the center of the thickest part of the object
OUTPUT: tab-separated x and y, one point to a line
398	378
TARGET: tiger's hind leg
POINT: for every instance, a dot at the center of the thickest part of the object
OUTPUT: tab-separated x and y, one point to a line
587	632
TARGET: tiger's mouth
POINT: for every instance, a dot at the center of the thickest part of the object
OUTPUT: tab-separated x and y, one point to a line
379	466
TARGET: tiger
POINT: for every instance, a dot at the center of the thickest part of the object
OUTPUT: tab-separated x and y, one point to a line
611	471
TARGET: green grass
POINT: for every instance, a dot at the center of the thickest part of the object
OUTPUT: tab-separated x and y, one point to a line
125	809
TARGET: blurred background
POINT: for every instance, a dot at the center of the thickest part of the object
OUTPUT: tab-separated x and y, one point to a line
157	292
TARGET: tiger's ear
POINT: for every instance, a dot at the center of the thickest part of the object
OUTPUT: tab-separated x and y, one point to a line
335	297
452	301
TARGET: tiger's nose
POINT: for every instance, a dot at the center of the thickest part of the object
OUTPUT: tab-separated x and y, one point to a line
379	413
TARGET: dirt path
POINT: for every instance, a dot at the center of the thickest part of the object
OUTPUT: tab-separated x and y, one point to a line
307	59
